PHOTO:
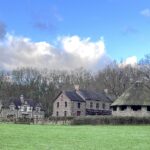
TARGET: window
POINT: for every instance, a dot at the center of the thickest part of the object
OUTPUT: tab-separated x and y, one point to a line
25	108
57	104
114	108
97	105
91	104
37	109
122	108
65	104
136	108
78	113
103	105
148	108
57	113
78	105
65	113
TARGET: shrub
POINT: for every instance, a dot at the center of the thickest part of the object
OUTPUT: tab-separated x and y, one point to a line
109	120
60	118
23	121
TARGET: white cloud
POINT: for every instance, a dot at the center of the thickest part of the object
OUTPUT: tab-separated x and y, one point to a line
130	61
74	53
85	49
145	12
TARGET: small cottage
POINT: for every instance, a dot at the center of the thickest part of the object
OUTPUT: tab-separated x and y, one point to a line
81	103
22	108
135	101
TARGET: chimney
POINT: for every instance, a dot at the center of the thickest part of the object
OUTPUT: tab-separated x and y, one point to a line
22	99
106	91
77	87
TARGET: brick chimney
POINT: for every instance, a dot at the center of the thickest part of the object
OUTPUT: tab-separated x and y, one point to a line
106	91
22	99
77	87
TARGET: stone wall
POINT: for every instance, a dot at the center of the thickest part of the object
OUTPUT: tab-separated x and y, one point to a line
61	109
129	112
6	113
75	108
71	109
39	115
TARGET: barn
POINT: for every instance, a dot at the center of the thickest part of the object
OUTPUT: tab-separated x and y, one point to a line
135	101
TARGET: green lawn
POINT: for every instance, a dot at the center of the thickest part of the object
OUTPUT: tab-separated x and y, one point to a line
48	137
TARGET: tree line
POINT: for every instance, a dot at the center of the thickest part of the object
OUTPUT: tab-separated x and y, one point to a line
44	85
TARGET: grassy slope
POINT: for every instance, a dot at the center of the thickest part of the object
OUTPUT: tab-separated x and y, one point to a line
38	137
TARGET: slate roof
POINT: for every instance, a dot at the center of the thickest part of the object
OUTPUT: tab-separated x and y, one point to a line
73	96
92	95
17	103
137	94
83	95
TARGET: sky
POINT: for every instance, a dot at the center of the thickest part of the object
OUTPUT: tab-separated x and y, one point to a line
67	34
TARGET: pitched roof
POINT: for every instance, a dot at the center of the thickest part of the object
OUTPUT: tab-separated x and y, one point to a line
73	96
92	95
82	95
137	94
17	103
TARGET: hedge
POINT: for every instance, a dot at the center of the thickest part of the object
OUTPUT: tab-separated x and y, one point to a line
110	120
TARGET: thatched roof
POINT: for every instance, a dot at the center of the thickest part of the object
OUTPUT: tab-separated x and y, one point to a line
137	94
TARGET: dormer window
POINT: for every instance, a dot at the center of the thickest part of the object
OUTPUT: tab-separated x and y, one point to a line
37	109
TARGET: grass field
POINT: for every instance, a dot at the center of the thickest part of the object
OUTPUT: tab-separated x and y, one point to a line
44	137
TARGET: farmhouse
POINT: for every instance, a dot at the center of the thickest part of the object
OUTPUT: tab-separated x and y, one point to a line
80	103
135	101
21	108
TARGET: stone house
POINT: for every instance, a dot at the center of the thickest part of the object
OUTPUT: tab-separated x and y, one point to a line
135	101
81	103
22	108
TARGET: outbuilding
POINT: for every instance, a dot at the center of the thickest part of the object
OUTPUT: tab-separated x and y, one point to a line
135	101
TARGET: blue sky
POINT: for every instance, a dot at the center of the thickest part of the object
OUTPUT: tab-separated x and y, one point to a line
124	25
